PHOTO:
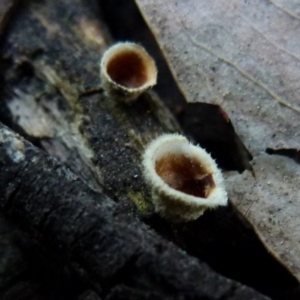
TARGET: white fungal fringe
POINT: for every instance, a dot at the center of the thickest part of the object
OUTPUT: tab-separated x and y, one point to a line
178	173
127	71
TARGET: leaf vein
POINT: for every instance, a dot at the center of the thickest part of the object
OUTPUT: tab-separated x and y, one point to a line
235	66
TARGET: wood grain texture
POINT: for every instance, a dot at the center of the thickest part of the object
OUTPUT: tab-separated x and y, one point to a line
111	250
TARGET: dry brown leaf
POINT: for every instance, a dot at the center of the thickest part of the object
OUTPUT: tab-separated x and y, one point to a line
245	56
271	202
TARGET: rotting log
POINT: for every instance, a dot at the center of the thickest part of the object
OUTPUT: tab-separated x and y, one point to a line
118	256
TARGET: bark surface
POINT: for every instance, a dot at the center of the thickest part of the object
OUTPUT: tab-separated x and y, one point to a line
114	253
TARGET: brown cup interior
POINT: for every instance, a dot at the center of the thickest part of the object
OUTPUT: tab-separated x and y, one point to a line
185	174
128	68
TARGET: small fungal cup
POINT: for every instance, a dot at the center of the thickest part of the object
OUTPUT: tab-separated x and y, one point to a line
127	71
183	178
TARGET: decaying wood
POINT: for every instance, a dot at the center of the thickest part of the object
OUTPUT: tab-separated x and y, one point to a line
65	110
111	250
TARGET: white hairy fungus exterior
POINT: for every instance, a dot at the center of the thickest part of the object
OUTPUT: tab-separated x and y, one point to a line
127	71
184	179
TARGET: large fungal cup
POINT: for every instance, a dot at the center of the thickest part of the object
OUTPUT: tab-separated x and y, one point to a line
183	178
127	71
